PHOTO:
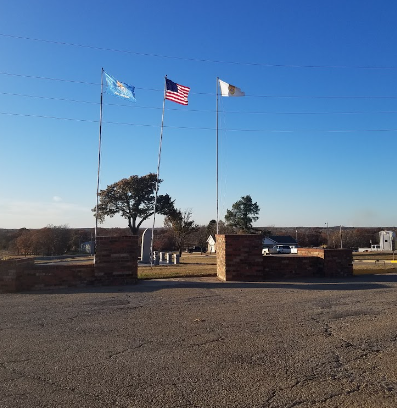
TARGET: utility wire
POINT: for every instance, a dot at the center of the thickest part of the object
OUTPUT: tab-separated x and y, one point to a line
212	94
198	110
201	128
145	54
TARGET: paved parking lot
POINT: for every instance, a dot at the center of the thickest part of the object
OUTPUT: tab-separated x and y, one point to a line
203	343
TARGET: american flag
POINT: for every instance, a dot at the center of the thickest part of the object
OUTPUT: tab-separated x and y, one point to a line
176	93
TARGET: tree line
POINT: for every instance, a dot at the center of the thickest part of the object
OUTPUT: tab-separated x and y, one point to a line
180	236
48	241
332	237
134	198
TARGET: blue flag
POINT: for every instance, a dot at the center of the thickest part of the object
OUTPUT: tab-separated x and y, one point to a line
120	88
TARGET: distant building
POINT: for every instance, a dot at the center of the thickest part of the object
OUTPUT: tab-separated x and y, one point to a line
87	247
273	240
387	240
211	245
279	244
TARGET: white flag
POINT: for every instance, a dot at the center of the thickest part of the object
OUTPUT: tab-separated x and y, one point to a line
230	90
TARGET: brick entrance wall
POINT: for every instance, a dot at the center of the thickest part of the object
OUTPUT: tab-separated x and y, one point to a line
117	257
239	257
291	266
116	263
337	262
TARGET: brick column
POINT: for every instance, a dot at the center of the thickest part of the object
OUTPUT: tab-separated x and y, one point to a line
239	257
12	276
116	260
338	262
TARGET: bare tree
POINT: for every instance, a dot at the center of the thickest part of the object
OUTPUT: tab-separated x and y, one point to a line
181	224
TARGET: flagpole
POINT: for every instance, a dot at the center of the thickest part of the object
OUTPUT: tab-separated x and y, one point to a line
217	170
158	174
99	164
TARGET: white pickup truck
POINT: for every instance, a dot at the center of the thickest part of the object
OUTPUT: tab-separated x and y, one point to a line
280	249
374	247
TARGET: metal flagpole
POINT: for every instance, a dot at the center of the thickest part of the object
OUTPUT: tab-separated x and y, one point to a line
158	174
217	172
99	164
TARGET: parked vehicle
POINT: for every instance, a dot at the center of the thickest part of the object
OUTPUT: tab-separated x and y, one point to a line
283	249
374	247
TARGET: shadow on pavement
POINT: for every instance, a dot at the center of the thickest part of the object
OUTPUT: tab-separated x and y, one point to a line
362	282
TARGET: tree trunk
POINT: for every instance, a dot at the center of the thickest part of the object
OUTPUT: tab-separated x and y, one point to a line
132	226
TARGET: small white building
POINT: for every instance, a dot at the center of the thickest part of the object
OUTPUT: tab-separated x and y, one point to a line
387	240
211	245
87	247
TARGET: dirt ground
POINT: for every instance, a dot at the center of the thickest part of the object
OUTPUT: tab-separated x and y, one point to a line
198	342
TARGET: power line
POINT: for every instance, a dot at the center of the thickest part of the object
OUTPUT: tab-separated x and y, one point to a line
202	128
48	78
51	98
133	106
145	54
210	93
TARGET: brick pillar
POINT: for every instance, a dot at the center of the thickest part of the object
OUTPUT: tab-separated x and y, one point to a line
116	260
12	276
338	262
239	257
8	276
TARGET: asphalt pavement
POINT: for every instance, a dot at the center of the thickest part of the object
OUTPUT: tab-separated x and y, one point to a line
200	342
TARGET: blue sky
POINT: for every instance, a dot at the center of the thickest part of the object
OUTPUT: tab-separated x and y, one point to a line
313	141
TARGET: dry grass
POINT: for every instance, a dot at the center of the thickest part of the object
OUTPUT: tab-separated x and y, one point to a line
190	265
363	256
71	260
371	268
374	263
198	259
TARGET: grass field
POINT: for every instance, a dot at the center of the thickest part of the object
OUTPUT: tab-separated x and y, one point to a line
190	265
364	256
369	263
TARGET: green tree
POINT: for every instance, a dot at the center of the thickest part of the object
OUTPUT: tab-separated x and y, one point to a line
243	213
181	224
133	199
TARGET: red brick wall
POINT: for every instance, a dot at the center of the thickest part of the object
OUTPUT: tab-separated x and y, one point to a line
239	257
116	263
291	266
41	277
319	252
10	270
338	262
117	257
